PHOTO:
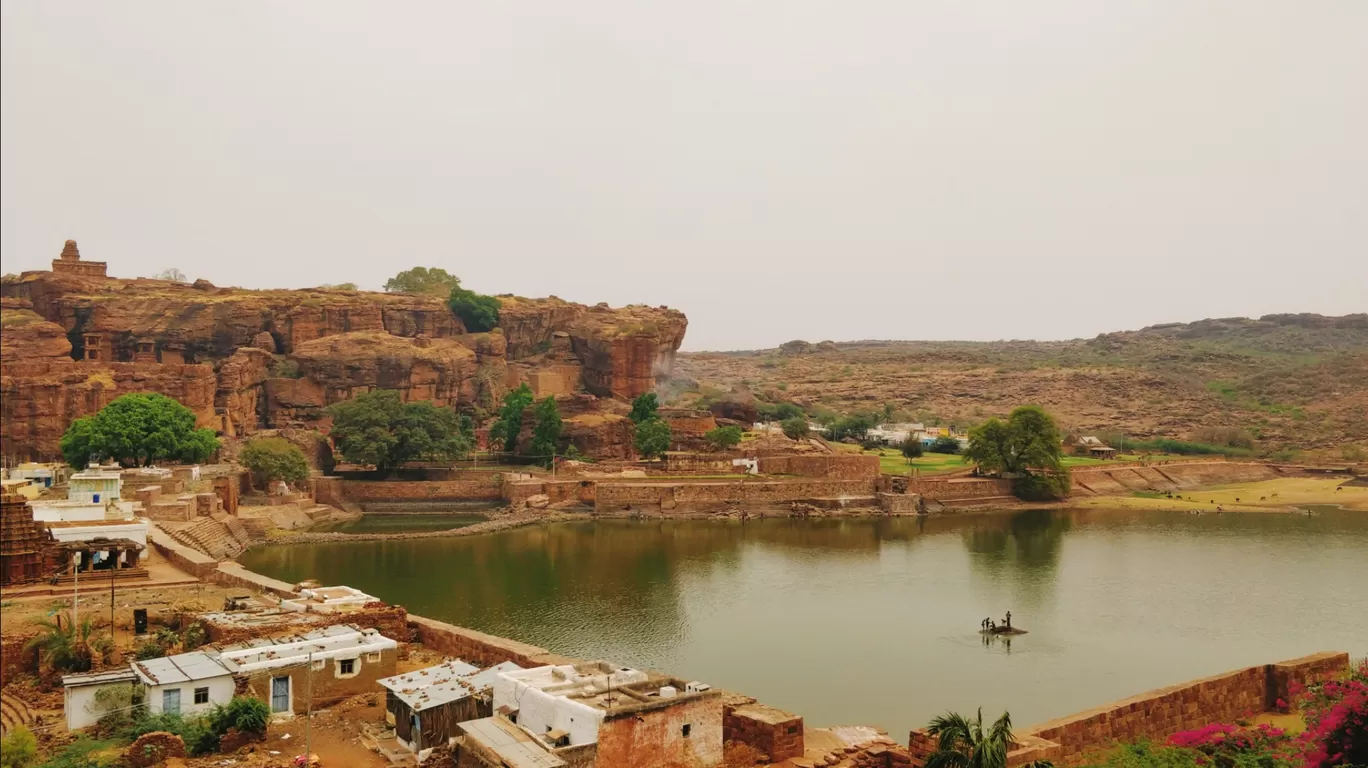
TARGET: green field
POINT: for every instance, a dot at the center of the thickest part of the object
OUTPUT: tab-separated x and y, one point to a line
891	461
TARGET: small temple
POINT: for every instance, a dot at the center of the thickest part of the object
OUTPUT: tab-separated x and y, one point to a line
69	263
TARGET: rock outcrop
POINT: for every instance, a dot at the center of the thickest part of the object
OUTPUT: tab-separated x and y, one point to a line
245	360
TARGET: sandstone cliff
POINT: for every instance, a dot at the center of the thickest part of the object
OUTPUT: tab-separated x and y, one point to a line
245	360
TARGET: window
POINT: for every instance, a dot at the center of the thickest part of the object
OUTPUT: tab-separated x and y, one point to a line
792	729
171	701
319	664
201	695
372	658
686	729
346	666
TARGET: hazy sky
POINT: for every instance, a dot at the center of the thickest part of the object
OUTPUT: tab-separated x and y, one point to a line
777	169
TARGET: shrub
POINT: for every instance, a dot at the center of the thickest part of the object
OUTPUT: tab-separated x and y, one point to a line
19	749
945	444
1041	486
247	714
477	311
275	458
723	438
652	438
795	428
644	408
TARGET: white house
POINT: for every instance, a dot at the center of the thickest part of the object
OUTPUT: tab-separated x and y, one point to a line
84	706
328	600
43	475
94	485
545	701
187	683
349	649
92	510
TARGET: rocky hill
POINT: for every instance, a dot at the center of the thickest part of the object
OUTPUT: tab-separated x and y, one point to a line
245	360
1288	380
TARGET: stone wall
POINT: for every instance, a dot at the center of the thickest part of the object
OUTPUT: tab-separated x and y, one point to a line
830	466
326	685
900	503
960	488
701	495
478	647
481	487
1158	714
776	734
670	734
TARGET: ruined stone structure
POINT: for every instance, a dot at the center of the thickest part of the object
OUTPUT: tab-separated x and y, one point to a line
246	360
27	554
69	263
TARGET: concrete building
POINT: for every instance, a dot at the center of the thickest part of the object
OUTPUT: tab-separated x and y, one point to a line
42	475
85	705
95	484
331	664
426	705
596	713
328	600
186	684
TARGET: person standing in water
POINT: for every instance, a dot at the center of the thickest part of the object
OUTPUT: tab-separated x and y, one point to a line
1008	620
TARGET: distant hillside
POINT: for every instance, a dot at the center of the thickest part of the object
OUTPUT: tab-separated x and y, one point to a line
1297	381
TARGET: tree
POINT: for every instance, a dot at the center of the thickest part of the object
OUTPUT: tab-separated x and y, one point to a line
1027	447
137	429
854	426
275	458
644	408
547	431
478	312
170	274
945	444
18	749
963	743
429	281
795	427
911	448
652	438
777	411
65	647
338	287
722	438
379	429
505	430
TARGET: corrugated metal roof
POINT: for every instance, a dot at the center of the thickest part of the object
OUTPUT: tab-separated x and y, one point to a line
98	678
443	683
181	668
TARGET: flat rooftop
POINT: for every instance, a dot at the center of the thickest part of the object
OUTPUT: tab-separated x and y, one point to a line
514	747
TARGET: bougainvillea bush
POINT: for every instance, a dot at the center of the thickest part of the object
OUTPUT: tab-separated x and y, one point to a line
1336	715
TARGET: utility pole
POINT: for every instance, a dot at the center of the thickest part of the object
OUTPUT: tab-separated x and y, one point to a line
75	589
308	719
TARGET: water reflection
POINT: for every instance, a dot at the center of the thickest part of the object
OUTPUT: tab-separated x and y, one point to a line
840	618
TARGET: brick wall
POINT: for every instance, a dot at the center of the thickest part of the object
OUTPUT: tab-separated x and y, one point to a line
900	503
960	488
483	487
710	463
326	490
777	734
615	496
478	647
656	735
1158	714
327	687
833	467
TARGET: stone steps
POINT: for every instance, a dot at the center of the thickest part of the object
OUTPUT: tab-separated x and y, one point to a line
213	537
13	712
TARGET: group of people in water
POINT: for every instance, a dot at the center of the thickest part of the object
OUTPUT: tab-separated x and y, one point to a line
992	626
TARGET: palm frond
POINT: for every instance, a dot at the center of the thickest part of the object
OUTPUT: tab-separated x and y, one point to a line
947	759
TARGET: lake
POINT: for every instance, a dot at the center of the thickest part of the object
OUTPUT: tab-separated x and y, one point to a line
875	621
402	523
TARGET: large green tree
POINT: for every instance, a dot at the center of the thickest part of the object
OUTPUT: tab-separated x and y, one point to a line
795	427
379	429
478	312
505	431
723	438
547	432
136	430
653	438
1027	447
430	281
644	407
275	458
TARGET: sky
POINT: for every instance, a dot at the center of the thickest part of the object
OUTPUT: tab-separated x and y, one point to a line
777	169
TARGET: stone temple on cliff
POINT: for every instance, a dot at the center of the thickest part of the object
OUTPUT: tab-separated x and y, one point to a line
70	263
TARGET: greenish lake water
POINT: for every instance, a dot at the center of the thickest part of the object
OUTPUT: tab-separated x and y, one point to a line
875	621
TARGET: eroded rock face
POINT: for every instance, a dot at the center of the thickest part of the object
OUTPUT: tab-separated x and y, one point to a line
246	360
40	398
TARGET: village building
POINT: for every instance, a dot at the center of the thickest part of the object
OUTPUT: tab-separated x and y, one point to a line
595	713
21	486
185	684
93	513
83	701
328	600
1093	447
315	669
42	475
426	705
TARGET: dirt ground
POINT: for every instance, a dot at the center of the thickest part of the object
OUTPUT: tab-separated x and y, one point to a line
1282	495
